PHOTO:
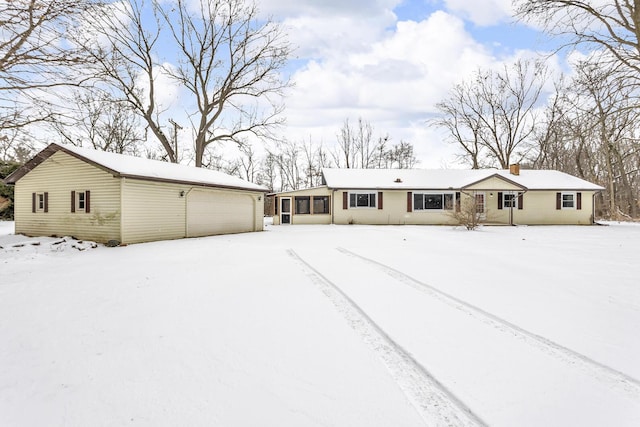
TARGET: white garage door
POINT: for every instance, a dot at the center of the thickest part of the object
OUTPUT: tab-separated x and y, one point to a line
213	212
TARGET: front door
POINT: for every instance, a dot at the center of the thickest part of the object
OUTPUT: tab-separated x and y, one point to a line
285	210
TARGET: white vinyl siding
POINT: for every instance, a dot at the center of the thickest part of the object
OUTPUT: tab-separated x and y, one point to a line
152	211
220	212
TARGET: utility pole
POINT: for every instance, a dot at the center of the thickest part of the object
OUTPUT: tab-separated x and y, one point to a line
176	127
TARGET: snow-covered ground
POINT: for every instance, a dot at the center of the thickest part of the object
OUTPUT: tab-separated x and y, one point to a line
325	326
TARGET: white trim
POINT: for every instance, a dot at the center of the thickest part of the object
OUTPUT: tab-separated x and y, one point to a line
285	213
515	195
82	209
38	196
574	200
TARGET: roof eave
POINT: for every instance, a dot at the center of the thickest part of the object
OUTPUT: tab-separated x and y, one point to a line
187	182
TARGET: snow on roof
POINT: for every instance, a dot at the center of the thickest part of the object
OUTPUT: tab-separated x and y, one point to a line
153	169
441	179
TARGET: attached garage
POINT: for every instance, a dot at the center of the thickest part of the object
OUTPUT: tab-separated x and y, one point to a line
219	212
132	199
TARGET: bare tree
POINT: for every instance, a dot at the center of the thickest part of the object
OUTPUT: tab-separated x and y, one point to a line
104	123
401	156
227	60
36	57
494	116
460	118
122	42
230	62
248	162
611	27
356	146
609	79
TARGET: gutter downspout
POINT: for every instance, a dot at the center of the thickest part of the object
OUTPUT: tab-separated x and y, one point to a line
333	206
511	208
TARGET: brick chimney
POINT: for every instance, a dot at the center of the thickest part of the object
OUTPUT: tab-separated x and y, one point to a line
514	169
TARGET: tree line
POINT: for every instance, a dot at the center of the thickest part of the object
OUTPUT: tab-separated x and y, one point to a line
587	126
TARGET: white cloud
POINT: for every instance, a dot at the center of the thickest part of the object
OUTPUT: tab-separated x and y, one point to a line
481	12
394	83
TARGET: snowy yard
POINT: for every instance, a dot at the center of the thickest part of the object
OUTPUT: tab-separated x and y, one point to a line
325	326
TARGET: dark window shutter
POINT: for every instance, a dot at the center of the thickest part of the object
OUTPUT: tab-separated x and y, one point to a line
379	199
558	201
409	201
276	201
578	200
87	200
345	200
46	202
520	201
458	201
33	202
499	199
73	201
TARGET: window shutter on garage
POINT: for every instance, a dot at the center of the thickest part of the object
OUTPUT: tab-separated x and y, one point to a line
276	200
409	201
87	201
33	202
73	201
46	202
457	201
558	201
499	199
578	200
345	200
379	199
520	201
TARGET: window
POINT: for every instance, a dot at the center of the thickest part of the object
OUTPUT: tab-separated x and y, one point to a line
320	204
362	200
509	200
40	202
302	205
432	201
480	203
568	200
80	201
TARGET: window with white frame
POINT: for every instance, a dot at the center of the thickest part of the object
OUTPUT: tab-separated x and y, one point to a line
509	200
80	201
362	200
40	203
432	201
568	200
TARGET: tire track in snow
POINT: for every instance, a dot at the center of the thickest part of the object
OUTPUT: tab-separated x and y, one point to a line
434	402
617	379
